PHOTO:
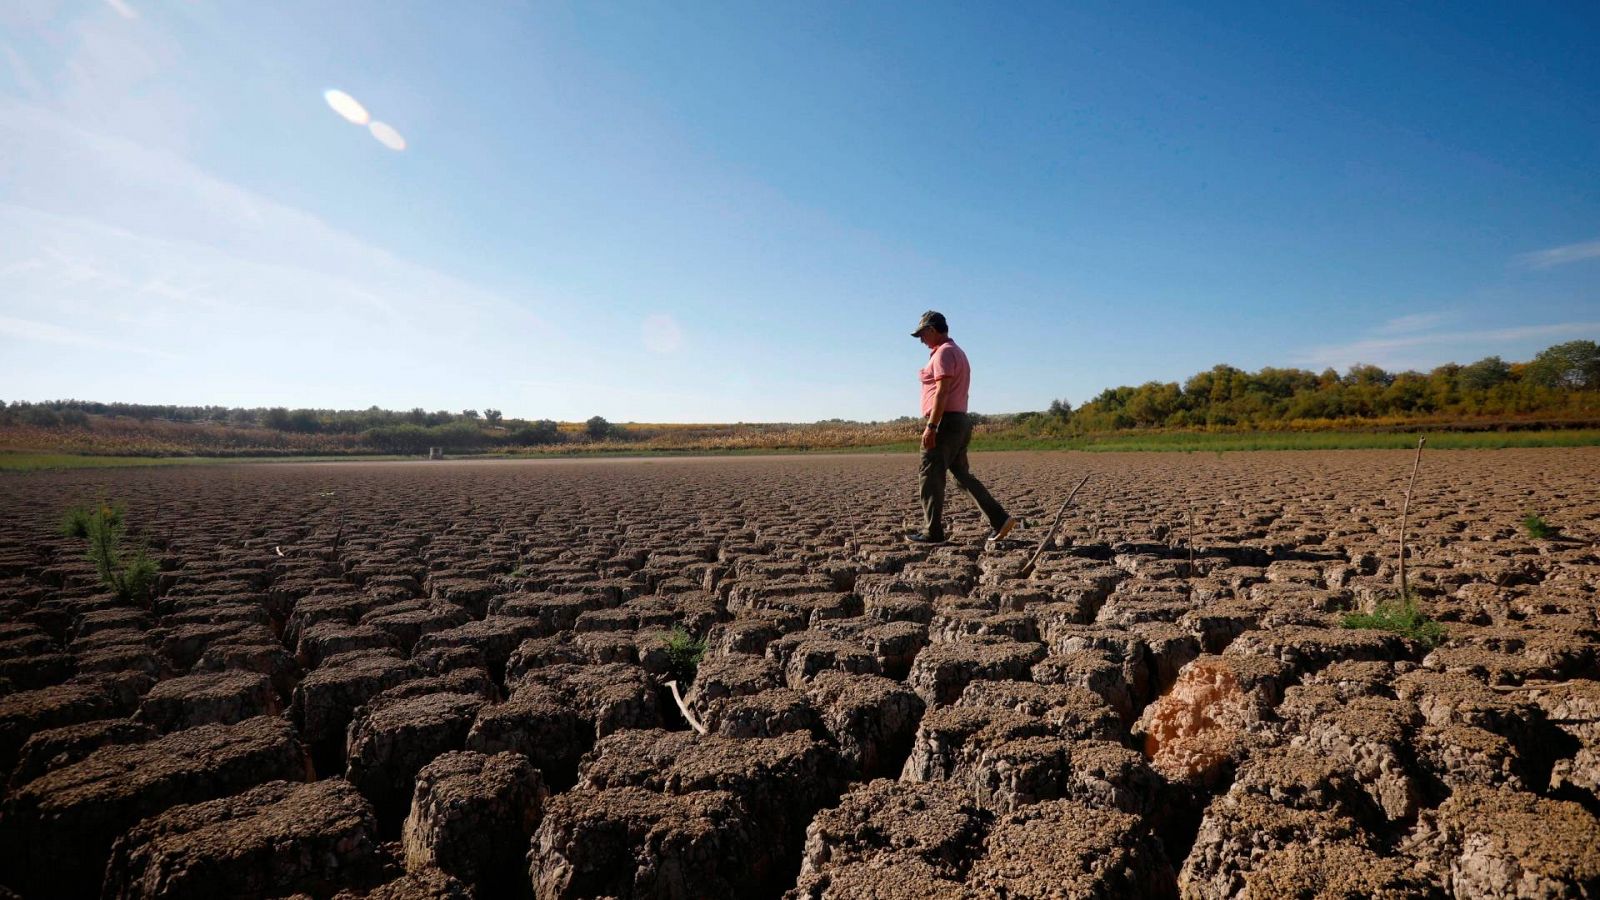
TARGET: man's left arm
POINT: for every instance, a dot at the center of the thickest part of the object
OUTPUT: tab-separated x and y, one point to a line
930	434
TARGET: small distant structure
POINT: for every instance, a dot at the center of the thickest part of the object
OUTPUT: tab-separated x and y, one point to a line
436	453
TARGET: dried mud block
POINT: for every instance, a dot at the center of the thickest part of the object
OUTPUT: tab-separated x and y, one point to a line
1168	648
470	594
1307	649
538	724
1073	712
1061	848
24	713
407	626
208	698
609	697
38	671
724	676
347	608
896	645
898	608
472	815
764	715
1374	737
635	758
1007	759
431	884
1241	830
884	824
267	657
630	842
102	620
56	748
112	660
803	654
1201	727
388	744
942	671
327	698
898	877
1125	648
1217	624
328	639
951	625
496	637
752	631
59	827
872	719
183	643
1060	611
1574	707
1446	700
547	613
1485	842
537	653
1349	680
1091	670
271	840
1460	755
1335	871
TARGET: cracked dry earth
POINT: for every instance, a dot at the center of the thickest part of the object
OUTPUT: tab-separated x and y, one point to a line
448	680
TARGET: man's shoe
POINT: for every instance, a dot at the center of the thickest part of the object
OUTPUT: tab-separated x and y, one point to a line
1005	528
919	538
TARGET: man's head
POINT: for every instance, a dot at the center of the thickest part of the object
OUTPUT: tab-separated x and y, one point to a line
931	328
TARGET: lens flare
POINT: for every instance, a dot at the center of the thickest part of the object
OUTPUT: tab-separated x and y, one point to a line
387	136
347	106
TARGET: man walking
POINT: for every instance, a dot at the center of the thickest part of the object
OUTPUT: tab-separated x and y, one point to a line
945	380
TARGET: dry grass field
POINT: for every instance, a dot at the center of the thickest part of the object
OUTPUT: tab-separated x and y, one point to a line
450	679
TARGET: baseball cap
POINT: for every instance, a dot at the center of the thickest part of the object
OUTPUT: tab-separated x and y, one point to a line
934	318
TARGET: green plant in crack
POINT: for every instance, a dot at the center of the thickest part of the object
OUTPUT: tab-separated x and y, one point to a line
684	651
130	573
1400	616
1536	527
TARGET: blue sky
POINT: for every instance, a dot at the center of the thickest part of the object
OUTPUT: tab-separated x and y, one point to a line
736	212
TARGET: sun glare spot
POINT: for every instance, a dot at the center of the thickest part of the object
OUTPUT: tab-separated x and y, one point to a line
387	136
347	106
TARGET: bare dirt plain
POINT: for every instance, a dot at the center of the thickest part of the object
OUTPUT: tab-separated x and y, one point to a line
461	690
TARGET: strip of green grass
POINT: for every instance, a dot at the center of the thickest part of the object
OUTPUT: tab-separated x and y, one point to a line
1186	442
35	462
1302	440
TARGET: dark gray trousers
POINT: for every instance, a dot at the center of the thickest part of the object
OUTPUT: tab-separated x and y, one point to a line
949	454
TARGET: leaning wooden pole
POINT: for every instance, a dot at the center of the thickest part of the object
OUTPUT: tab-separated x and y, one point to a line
1405	508
1028	569
684	708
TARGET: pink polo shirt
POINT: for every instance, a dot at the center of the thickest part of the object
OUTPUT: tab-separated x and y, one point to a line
946	361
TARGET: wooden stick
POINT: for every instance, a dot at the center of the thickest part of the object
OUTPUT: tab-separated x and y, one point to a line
1191	539
1028	569
683	708
1405	507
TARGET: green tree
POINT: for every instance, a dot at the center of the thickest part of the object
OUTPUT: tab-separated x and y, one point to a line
1486	373
492	416
597	428
1574	365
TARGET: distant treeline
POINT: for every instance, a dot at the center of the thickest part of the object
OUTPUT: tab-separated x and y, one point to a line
1560	385
380	429
1562	382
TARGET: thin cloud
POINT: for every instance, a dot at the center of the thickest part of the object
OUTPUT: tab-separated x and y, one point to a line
1412	323
50	333
1560	256
123	9
1407	351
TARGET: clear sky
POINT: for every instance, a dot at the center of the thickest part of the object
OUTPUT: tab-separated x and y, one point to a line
736	211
